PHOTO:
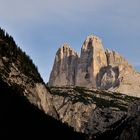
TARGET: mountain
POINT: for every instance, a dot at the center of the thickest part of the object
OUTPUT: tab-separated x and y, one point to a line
98	114
18	70
65	66
94	68
92	59
25	103
21	119
30	109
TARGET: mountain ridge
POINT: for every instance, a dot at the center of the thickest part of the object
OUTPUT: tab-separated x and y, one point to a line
67	112
94	68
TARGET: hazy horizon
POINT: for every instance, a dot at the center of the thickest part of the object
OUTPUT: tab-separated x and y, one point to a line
41	27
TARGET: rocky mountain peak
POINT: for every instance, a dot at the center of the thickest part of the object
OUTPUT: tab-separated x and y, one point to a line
116	60
66	46
65	50
94	114
95	68
91	60
91	41
65	67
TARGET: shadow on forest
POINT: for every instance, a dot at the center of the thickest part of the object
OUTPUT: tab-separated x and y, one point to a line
19	119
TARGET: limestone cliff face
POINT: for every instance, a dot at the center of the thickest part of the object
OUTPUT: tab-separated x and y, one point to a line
95	68
112	76
116	60
65	67
95	113
118	76
125	79
92	59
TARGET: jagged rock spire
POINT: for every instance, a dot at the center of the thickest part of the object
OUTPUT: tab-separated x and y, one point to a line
95	68
91	60
64	68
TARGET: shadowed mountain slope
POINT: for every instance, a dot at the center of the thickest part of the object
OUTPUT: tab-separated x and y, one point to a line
20	119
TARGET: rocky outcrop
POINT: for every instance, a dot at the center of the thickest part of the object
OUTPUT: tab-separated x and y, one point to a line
27	105
126	77
116	60
131	130
98	114
65	67
95	68
92	59
130	85
35	92
111	76
19	72
108	78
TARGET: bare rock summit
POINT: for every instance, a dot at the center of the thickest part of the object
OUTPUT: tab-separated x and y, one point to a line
65	67
92	59
94	68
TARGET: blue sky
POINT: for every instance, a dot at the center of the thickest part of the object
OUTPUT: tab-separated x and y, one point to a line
40	27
